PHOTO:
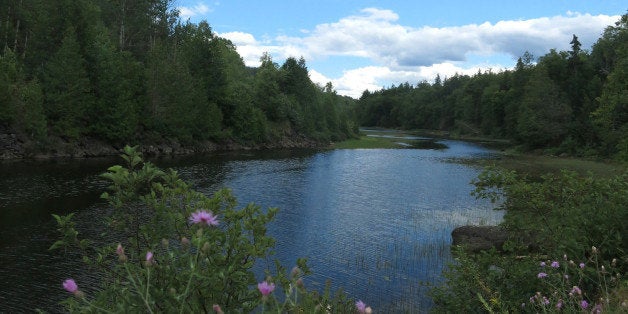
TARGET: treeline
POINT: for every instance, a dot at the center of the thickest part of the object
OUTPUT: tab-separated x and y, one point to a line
125	71
573	102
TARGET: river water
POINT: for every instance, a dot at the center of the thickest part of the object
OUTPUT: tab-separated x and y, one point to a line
376	222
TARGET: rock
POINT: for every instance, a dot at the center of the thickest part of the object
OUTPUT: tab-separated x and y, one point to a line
479	238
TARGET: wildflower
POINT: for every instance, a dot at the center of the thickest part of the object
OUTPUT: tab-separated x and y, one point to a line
581	265
120	251
361	306
566	276
594	250
217	309
295	271
541	275
265	288
70	285
546	301
203	216
576	290
542	264
555	264
597	309
584	304
559	304
368	310
149	258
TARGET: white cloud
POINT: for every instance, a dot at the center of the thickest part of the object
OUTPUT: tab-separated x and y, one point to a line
199	9
402	53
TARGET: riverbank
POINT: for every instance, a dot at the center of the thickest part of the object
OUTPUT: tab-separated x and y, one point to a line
16	146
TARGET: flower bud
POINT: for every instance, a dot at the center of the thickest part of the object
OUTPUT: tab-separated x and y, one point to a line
217	309
295	272
185	242
205	247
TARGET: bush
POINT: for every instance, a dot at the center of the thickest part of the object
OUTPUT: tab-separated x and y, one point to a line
181	251
557	215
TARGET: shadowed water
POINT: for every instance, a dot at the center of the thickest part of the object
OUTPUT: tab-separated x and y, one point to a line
375	222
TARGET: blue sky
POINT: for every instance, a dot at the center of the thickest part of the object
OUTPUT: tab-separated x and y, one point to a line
369	44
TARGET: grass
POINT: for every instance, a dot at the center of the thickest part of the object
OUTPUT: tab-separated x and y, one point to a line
537	165
368	142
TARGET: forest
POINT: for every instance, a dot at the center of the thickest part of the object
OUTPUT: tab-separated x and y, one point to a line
565	102
132	71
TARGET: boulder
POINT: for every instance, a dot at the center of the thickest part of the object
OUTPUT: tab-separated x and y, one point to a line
479	238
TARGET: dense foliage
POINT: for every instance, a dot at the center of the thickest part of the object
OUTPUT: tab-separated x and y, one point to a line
124	71
567	248
573	102
179	250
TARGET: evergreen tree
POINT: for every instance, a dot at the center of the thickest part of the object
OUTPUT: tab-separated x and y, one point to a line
67	88
544	115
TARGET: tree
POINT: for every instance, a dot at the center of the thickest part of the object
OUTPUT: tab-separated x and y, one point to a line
544	115
67	88
119	91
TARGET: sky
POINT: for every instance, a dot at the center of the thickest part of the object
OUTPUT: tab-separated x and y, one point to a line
368	44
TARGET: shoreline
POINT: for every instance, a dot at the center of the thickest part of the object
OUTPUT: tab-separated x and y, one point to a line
15	147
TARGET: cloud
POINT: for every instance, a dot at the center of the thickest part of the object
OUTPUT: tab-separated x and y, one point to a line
355	81
400	53
199	9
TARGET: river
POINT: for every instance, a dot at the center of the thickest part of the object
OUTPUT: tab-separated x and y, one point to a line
376	222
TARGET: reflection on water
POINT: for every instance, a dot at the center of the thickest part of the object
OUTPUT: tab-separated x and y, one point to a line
376	222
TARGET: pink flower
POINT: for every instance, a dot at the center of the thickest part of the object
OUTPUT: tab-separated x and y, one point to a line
559	304
70	285
265	288
581	265
584	304
149	257
120	249
555	264
217	309
203	216
361	306
541	275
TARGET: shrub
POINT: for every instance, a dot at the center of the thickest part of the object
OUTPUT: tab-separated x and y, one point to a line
181	251
555	215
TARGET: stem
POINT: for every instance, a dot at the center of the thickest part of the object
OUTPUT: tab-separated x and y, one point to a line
138	289
187	286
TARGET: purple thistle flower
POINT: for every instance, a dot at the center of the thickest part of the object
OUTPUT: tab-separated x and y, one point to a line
576	290
120	249
361	306
70	285
541	275
149	257
542	264
265	288
203	216
584	304
555	264
581	265
559	304
546	301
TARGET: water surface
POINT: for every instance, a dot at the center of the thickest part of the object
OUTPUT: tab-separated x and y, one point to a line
376	222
